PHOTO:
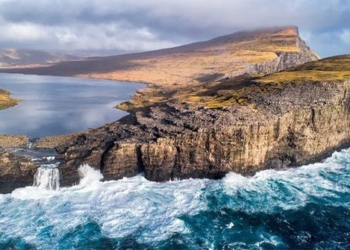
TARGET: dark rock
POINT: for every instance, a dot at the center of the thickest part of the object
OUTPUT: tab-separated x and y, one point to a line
288	127
15	171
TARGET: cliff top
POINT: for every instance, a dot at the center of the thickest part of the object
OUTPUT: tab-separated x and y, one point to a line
188	71
335	68
184	65
239	90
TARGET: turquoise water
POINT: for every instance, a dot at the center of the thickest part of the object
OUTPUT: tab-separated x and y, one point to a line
61	105
300	208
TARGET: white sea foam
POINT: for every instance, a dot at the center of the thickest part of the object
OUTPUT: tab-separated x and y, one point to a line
50	158
120	207
288	189
89	175
152	211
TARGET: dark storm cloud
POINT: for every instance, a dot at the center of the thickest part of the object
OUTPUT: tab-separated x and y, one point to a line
151	24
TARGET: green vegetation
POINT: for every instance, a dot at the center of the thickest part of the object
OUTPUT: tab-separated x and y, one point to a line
329	69
238	90
6	101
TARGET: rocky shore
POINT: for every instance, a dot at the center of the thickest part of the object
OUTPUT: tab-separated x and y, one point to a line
239	123
15	171
12	141
289	127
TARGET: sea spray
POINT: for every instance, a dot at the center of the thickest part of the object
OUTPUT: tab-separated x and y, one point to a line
88	175
301	208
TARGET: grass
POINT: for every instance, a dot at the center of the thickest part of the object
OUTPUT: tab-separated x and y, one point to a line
6	101
329	69
183	67
236	91
194	73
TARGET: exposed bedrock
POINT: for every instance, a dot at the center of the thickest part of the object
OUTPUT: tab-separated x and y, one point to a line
15	171
287	127
283	61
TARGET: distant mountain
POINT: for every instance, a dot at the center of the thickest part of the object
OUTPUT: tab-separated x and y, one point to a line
193	65
226	56
23	57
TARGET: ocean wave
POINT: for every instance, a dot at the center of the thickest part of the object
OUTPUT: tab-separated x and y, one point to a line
178	211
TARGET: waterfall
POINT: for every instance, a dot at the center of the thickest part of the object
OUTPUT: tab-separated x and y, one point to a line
47	178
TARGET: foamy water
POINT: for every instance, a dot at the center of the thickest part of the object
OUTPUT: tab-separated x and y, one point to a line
301	208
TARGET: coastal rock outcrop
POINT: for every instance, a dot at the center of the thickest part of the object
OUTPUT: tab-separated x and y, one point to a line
15	171
236	122
287	127
284	60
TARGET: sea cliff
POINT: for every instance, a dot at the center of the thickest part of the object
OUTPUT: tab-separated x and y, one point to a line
273	112
282	126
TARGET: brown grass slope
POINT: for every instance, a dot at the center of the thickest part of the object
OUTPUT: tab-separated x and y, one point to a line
6	100
184	64
185	67
238	90
21	57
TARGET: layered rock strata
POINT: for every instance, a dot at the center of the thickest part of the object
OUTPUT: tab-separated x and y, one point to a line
15	171
283	128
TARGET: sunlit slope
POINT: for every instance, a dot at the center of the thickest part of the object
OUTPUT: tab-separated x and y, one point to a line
335	68
228	55
237	91
5	100
183	71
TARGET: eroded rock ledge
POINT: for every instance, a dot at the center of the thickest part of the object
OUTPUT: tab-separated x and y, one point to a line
15	171
284	127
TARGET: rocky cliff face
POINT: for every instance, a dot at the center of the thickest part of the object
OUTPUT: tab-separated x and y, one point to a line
284	60
15	171
254	124
287	127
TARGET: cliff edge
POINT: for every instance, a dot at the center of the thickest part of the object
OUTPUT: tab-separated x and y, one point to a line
243	102
280	120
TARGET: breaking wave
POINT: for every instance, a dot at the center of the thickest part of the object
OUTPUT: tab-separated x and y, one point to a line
299	208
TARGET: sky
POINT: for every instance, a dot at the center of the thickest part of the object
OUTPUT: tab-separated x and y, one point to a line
139	25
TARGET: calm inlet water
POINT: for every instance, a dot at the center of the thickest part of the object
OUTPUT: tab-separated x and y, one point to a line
61	105
302	208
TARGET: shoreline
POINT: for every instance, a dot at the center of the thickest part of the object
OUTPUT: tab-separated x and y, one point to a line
52	141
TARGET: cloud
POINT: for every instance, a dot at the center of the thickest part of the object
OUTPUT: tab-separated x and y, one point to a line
345	36
152	24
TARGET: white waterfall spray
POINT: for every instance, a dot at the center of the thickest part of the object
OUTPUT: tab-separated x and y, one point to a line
47	178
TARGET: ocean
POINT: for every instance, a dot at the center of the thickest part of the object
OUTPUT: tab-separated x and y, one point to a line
299	208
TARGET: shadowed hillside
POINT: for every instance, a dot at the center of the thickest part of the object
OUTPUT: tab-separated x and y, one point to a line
227	55
21	57
182	68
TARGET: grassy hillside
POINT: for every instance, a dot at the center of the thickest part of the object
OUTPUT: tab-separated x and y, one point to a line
20	57
184	65
329	69
235	91
183	72
6	101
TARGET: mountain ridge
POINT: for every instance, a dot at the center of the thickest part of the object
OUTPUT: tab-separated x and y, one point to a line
13	57
174	69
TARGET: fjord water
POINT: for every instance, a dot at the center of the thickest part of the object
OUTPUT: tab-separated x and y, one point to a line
299	208
61	105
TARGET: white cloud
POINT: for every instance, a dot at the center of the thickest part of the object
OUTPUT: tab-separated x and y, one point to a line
153	24
22	32
345	36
